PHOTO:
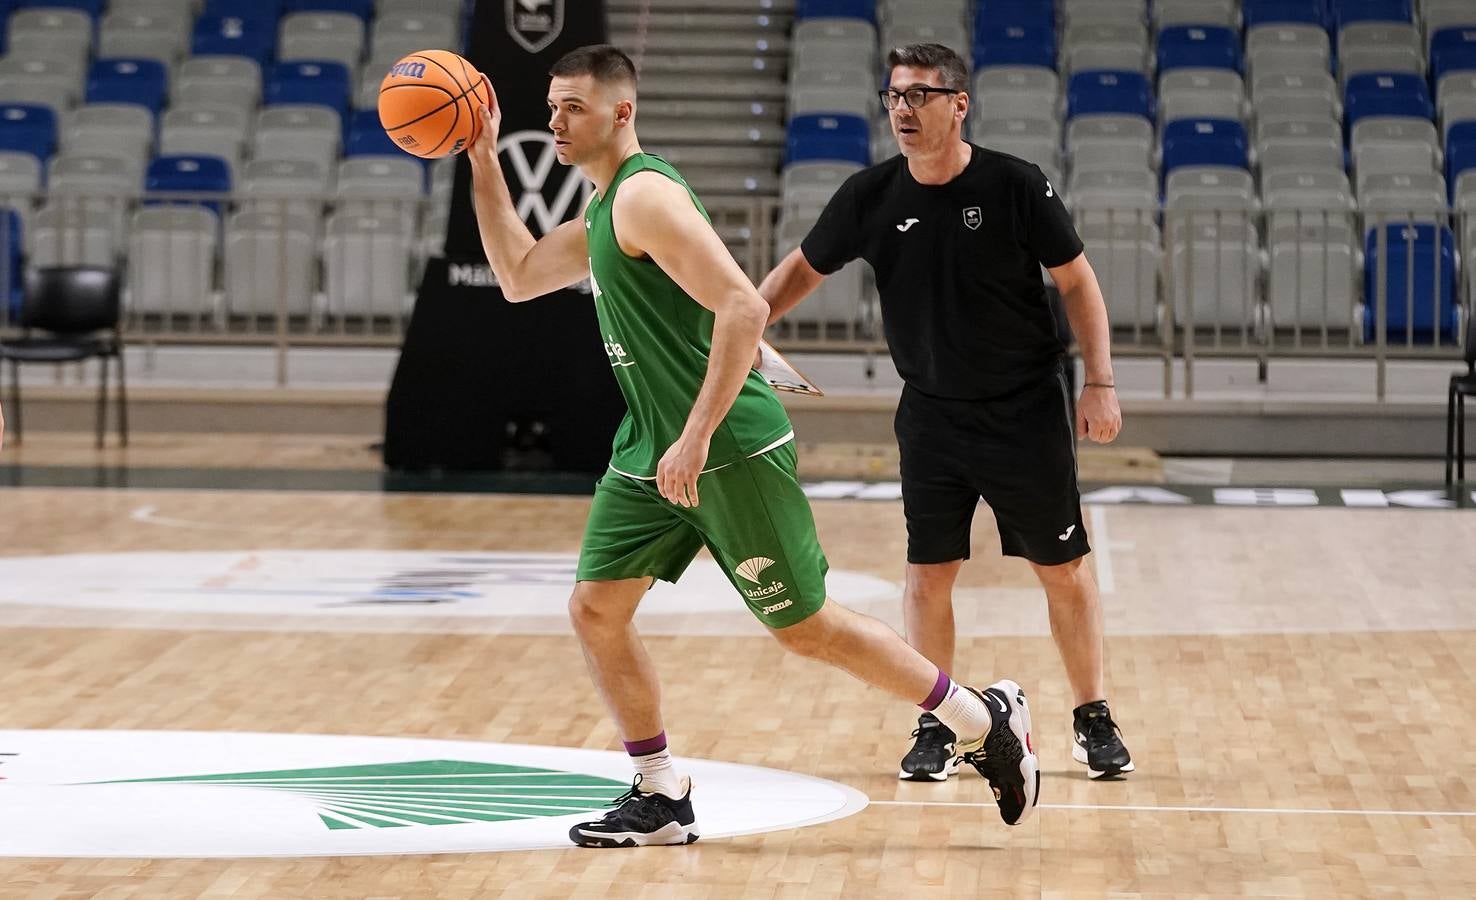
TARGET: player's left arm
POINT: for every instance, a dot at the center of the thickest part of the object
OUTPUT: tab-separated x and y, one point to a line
655	216
1098	415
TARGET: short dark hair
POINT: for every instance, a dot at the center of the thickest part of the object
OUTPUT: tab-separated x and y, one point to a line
951	68
602	61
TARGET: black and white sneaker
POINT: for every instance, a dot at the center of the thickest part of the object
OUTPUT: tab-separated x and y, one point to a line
1004	755
932	757
1099	742
641	819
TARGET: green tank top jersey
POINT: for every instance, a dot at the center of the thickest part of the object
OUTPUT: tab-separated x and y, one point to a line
658	339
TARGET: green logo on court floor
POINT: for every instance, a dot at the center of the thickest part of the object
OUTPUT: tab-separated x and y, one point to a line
429	792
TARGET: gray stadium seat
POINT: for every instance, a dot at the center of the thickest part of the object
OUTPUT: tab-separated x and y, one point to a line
285	186
1394	145
1221	13
105	185
206	130
161	36
367	260
902	12
1212	188
855	33
222	80
1103	12
52	82
1296	197
180	9
1127	257
1379	47
383	187
951	35
394	34
172	255
1201	93
1296	157
1294	97
828	91
20	184
292	131
1033	140
1216	263
1399	198
67	233
1117	46
124	130
1110	143
322	35
269	264
1313	279
450	8
50	33
1285	49
1016	92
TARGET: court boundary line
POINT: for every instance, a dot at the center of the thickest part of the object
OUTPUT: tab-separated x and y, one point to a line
1239	810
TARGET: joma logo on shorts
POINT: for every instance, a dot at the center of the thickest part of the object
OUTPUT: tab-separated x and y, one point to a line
770	610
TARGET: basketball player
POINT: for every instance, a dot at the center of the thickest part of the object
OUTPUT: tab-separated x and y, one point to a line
705	456
956	235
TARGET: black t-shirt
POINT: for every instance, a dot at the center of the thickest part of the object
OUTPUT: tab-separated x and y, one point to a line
958	269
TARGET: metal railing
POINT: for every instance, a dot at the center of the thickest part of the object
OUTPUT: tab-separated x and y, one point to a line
1181	284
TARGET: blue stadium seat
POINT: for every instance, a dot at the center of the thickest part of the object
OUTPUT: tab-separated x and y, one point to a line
1205	142
1346	12
217	35
188	175
29	128
140	81
1452	50
1460	155
1291	12
366	136
1379	94
1411	247
832	138
364	9
1017	13
1198	47
93	8
845	9
317	82
1014	45
1114	93
12	246
260	12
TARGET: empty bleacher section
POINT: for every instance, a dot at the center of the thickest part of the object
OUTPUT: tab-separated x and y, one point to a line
1239	168
225	153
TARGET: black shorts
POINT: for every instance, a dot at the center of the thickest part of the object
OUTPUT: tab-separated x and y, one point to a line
1018	453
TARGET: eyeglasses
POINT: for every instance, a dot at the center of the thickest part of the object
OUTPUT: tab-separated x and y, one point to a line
915	98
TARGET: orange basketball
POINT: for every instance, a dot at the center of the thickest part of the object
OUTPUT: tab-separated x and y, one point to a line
429	102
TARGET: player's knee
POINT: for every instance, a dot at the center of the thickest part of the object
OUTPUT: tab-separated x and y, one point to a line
809	638
1066	575
587	614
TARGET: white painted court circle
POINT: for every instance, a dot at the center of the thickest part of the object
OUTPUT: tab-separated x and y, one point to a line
176	794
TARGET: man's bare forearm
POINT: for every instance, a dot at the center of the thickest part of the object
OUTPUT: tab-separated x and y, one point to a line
735	336
1087	313
505	238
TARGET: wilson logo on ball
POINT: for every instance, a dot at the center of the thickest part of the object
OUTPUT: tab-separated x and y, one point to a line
408	69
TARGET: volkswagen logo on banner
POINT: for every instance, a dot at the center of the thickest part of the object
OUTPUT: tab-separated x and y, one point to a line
534	24
535	174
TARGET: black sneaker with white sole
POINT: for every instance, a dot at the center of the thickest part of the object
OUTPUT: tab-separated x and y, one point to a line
641	819
1005	755
1098	741
932	757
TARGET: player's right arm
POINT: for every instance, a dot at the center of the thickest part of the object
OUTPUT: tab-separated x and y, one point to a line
525	267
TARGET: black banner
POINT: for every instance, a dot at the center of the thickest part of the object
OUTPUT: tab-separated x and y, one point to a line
484	384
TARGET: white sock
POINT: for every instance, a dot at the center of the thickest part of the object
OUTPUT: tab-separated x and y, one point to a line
658	774
964	713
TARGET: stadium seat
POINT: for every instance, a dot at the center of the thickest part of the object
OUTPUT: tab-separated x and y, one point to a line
1452	50
394	34
1033	140
1115	93
260	13
1014	13
1429	309
1217	13
1283	12
1386	95
269	263
360	9
1104	12
1287	49
56	83
1109	143
1014	45
1122	47
1127	256
367	262
288	186
205	131
366	137
140	81
315	83
121	130
93	8
1295	98
1016	92
1460	153
1205	142
1201	93
136	35
828	138
233	81
1190	46
172	253
1347	12
835	9
334	36
64	34
190	176
216	35
313	133
28	128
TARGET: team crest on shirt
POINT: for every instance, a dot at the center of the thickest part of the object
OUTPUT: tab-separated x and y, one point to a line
973	217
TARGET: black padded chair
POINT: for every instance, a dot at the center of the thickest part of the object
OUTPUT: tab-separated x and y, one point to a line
1462	385
76	310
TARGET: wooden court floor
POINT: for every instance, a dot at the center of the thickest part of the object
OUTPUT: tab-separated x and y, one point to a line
1295	686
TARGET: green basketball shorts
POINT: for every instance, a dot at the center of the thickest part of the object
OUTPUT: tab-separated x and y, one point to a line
752	516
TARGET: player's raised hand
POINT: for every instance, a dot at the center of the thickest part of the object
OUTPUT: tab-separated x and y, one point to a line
483	150
676	474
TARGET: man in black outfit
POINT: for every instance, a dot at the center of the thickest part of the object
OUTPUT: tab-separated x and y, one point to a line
956	235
